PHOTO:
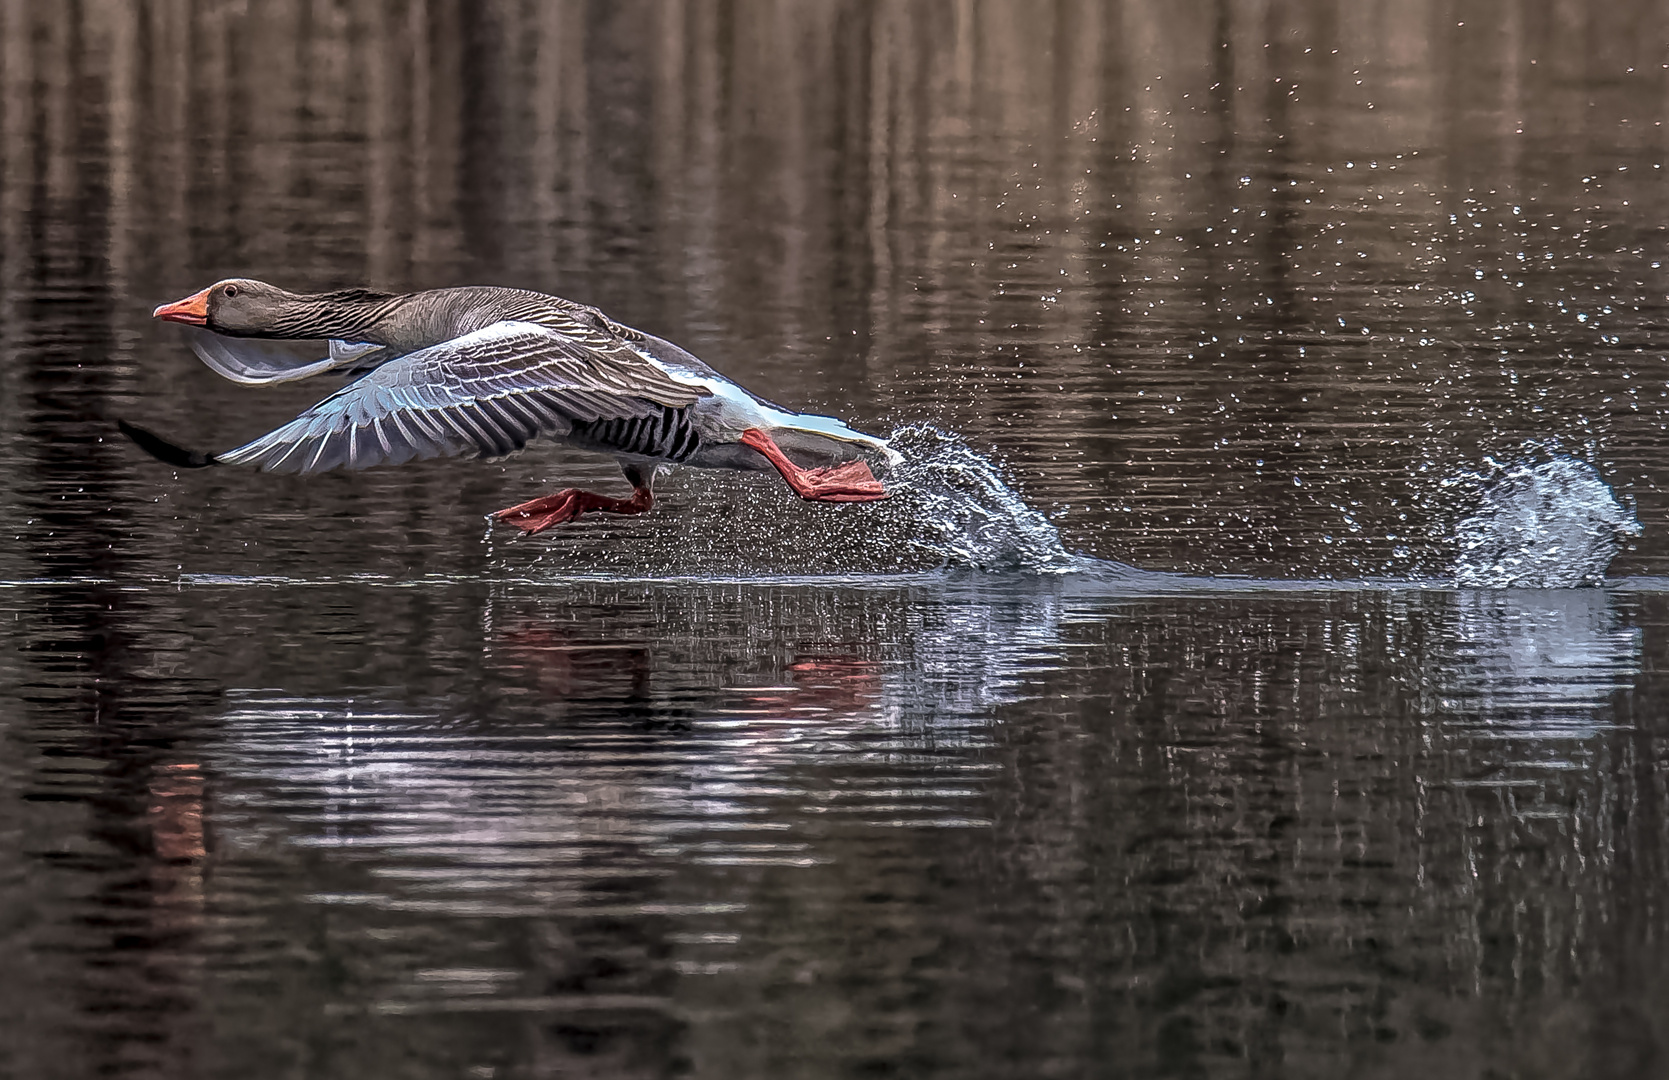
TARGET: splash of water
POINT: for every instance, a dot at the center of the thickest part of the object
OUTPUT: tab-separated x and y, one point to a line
951	509
1552	525
956	502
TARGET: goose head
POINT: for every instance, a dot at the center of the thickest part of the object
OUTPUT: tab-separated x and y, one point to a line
243	307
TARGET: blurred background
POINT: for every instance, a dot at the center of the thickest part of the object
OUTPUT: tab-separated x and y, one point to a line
1227	286
309	778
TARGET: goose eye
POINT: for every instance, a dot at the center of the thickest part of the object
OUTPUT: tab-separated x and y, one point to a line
231	290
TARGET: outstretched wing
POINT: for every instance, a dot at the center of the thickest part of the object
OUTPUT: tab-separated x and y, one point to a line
487	393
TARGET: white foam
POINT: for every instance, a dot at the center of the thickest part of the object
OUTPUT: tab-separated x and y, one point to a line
1552	525
957	502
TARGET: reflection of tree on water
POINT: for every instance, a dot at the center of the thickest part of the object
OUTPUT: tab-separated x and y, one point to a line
105	879
1192	831
702	730
1269	838
862	815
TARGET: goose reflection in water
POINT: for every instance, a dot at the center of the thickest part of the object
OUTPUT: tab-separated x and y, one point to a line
563	665
555	807
653	784
875	672
715	721
566	665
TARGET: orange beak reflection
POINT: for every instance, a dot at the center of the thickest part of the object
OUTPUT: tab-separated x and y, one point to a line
193	310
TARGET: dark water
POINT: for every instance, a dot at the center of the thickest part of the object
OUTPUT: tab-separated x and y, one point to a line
310	778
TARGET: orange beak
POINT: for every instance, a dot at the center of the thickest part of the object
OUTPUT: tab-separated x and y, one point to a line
193	310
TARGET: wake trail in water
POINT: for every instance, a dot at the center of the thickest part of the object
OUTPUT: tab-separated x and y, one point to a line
1539	525
1553	524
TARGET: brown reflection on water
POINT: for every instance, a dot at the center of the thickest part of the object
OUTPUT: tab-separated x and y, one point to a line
777	829
298	779
1230	285
563	668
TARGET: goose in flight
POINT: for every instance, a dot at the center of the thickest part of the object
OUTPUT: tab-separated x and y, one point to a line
485	370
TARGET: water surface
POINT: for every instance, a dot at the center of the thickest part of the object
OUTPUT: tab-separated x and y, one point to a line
310	777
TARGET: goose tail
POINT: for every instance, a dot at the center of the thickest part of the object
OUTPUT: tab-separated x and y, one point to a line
165	451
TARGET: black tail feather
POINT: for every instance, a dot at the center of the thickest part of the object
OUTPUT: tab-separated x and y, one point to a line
165	451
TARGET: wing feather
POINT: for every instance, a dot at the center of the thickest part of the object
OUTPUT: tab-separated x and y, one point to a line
487	393
397	420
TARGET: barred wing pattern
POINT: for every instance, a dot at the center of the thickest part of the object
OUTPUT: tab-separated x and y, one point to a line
613	350
487	392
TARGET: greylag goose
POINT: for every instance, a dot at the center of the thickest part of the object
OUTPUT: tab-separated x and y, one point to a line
486	370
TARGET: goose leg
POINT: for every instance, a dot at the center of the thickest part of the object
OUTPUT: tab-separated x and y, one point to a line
850	482
537	515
